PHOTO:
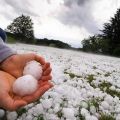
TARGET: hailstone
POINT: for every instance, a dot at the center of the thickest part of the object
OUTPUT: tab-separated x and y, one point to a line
25	85
33	68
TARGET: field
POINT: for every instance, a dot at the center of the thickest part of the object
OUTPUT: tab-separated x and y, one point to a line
86	87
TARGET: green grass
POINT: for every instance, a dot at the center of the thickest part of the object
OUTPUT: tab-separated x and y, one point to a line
107	74
61	104
72	75
40	117
11	39
95	102
113	92
21	111
105	86
94	67
106	117
90	78
59	113
80	116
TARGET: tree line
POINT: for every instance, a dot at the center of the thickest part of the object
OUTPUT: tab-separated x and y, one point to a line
108	42
21	29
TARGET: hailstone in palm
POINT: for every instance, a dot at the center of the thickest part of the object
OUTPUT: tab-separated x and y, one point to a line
25	85
28	83
33	68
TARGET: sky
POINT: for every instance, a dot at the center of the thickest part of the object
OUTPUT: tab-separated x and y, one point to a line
70	21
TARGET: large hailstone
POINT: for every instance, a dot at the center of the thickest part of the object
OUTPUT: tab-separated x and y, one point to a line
25	85
33	68
68	113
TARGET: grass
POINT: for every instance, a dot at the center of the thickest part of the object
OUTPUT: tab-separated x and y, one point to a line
94	67
90	79
106	117
105	86
107	74
62	104
92	102
11	39
40	117
95	102
80	116
59	113
21	111
72	75
113	92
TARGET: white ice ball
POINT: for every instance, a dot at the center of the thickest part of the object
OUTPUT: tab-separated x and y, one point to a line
84	104
12	116
25	85
91	117
84	112
92	109
2	113
109	99
47	103
105	105
68	113
33	68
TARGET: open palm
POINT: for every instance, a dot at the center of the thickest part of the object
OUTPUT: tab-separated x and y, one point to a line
10	101
15	64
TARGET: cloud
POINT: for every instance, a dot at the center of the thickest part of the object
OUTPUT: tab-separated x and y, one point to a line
78	2
67	20
69	12
18	7
79	13
104	10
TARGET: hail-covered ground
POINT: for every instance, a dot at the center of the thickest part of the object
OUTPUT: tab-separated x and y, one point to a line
86	87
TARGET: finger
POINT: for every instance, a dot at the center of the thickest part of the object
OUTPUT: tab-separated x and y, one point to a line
11	104
37	94
46	78
47	65
17	73
42	83
40	59
47	72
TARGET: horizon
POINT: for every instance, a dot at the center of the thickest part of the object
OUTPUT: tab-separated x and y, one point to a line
65	20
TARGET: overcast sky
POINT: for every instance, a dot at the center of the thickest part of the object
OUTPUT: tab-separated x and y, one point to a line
68	20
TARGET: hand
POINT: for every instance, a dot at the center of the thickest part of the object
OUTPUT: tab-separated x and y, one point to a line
15	64
10	101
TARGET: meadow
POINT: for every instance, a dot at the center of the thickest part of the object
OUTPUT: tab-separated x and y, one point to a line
86	87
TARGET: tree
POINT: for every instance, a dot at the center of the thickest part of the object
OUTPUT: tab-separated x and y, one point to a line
109	41
92	44
22	27
111	32
86	45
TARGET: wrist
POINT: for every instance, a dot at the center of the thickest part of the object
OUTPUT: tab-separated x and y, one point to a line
7	59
